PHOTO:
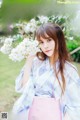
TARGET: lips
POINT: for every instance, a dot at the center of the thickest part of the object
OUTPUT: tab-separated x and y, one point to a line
47	50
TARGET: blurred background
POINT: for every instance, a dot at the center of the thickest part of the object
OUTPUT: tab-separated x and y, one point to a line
19	20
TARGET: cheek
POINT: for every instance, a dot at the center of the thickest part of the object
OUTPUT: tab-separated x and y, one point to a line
52	44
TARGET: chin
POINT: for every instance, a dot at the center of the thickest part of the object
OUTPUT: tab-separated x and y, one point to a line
49	55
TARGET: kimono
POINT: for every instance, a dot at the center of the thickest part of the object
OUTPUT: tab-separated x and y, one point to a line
42	82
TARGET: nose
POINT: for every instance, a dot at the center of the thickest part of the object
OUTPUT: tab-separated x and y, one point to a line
45	45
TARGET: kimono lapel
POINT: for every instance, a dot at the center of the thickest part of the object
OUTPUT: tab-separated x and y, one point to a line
47	72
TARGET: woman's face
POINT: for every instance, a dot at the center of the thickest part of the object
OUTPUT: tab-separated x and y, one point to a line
47	46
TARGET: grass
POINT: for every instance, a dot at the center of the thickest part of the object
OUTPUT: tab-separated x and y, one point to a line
8	73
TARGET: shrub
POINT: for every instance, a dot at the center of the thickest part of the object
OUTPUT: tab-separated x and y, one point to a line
72	45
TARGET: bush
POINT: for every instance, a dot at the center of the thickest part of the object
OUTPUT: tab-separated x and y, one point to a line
72	45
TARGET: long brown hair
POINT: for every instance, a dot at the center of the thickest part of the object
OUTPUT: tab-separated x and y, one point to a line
55	32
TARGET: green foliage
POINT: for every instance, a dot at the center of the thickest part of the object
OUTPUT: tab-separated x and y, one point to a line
23	1
72	45
63	21
15	30
14	10
15	43
58	19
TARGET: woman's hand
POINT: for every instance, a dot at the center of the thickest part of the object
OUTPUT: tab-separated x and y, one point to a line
30	58
27	69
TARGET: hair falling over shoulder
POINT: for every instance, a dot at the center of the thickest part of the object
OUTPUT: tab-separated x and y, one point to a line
55	32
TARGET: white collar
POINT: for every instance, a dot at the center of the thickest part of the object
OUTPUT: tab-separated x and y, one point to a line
48	66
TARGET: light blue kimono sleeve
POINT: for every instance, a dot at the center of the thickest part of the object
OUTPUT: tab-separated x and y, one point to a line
72	103
18	81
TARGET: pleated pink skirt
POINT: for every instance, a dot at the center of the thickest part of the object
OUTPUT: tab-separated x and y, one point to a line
44	108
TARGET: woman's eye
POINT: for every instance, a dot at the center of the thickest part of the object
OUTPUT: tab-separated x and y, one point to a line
49	40
41	43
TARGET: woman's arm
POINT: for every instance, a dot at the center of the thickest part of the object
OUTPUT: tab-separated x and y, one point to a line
72	95
24	75
27	70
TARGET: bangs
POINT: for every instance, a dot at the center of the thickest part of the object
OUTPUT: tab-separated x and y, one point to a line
45	33
42	34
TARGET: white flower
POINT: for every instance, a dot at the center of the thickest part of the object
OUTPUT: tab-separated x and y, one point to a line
33	21
8	41
70	38
17	25
25	48
43	19
7	47
2	39
30	27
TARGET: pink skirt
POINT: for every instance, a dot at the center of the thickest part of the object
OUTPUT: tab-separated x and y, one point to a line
45	109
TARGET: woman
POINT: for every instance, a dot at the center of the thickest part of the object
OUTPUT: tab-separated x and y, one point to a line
46	77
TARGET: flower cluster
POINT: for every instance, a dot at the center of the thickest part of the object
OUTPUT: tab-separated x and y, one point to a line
31	26
7	47
25	48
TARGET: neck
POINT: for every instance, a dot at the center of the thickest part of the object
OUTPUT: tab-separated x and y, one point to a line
52	60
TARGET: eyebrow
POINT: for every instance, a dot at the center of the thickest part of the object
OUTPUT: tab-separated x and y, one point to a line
45	38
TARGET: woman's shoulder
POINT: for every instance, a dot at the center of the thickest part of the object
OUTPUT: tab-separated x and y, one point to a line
71	70
33	58
37	62
70	66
